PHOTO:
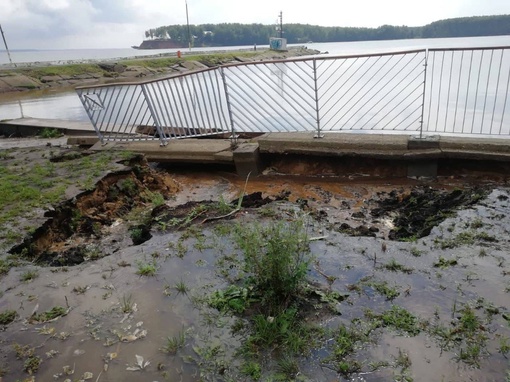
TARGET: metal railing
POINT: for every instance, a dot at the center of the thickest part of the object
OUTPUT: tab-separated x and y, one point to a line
436	91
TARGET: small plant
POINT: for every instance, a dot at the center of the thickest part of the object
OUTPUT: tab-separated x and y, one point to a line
416	252
32	364
146	269
394	266
155	198
384	289
444	263
288	368
28	276
181	287
7	317
504	346
127	304
277	257
174	343
399	319
49	133
53	313
252	369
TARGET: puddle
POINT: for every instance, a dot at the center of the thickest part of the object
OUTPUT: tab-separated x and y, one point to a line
116	313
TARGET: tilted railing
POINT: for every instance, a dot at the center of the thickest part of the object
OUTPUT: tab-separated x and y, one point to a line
437	91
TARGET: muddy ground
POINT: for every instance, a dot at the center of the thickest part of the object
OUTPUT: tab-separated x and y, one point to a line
124	265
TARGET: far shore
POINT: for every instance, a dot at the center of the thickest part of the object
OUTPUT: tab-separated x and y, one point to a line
37	76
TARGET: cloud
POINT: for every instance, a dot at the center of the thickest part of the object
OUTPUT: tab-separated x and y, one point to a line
59	24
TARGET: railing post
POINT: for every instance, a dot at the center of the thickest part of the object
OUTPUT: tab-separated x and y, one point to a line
318	118
162	137
233	136
424	88
89	114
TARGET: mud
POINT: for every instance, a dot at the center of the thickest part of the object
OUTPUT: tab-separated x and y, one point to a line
116	314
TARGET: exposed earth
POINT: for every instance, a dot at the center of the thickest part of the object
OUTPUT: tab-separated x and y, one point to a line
117	269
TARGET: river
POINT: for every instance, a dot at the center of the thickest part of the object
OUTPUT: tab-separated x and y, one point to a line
64	103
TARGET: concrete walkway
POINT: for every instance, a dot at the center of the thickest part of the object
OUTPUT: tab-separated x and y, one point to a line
250	154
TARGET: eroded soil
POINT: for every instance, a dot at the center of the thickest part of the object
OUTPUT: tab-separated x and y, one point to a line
115	259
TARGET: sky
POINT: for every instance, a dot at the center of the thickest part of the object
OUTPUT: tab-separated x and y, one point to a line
78	24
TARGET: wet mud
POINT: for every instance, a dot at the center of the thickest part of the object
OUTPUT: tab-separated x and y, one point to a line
376	244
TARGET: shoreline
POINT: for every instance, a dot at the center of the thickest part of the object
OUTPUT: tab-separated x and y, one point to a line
39	76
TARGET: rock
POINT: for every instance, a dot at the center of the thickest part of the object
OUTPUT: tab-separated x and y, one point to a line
46	79
112	67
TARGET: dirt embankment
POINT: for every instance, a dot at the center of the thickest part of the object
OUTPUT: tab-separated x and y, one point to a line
54	76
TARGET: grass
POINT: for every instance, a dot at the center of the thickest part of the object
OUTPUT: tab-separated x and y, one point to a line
384	289
146	269
465	238
127	304
466	335
397	318
28	276
40	184
181	287
50	133
395	266
174	343
8	316
62	70
53	313
444	263
277	258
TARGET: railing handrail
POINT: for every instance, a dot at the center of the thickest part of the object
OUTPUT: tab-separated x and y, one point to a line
330	92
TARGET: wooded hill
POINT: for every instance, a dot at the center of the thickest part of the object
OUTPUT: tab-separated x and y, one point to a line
231	34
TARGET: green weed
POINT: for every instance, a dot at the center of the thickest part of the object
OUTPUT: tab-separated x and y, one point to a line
464	239
416	252
444	263
49	133
55	312
8	316
395	266
277	257
28	276
146	269
127	304
181	287
397	318
174	343
252	369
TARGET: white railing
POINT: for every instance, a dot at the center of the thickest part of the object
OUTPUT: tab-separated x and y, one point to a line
437	91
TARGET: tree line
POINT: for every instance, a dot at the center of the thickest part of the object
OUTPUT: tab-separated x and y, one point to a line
231	34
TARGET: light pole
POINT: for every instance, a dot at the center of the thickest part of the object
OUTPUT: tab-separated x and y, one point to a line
187	22
6	47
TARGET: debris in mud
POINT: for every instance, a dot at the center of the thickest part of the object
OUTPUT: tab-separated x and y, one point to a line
423	209
361	230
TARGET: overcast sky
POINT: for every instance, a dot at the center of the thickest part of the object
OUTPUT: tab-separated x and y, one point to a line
65	24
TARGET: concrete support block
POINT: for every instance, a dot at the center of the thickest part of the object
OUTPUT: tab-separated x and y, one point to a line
424	143
247	160
422	169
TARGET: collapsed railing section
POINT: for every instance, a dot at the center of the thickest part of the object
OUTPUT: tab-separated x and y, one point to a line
418	91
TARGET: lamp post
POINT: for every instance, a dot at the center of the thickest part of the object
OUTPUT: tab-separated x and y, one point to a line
187	22
6	47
